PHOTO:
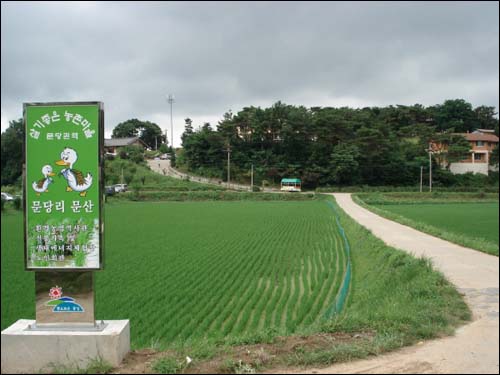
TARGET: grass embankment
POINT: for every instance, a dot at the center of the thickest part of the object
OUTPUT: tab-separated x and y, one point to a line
141	178
398	298
378	198
180	196
406	189
394	300
469	220
146	185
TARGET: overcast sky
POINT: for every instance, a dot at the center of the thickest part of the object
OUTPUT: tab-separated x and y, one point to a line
219	56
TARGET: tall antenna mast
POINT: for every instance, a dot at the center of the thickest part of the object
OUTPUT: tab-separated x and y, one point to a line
171	100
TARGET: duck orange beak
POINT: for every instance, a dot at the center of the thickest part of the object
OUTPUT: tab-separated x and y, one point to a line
62	162
52	174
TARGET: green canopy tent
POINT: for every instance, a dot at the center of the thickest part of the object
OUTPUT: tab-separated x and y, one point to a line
290	184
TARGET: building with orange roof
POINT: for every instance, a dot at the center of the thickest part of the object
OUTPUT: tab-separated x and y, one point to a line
482	143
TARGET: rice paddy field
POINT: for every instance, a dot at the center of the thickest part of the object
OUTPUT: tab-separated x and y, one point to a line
468	219
471	219
191	270
203	278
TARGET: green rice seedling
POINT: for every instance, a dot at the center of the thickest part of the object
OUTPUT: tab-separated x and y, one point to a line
463	219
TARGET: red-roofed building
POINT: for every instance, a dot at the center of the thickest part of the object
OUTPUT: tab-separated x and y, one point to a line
482	142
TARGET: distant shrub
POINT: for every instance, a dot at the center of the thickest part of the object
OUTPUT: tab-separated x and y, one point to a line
128	176
133	153
173	159
151	154
136	189
17	202
123	154
11	189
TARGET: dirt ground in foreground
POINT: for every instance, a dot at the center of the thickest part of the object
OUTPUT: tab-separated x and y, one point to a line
244	358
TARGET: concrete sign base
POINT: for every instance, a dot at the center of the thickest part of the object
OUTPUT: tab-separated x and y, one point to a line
26	350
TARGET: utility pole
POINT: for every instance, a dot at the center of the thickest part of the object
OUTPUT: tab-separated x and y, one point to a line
251	179
430	168
171	100
228	150
421	176
156	143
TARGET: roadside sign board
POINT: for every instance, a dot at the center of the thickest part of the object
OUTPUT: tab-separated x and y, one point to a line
63	189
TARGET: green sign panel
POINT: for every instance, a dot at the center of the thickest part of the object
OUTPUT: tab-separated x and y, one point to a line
63	185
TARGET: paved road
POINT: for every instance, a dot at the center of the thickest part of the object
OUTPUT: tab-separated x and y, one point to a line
475	347
163	167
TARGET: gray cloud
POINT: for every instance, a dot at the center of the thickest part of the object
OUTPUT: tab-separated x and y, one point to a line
220	56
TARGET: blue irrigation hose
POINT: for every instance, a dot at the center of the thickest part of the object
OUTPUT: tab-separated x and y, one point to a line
338	305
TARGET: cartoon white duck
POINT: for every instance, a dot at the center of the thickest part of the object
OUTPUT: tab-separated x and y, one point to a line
41	186
76	181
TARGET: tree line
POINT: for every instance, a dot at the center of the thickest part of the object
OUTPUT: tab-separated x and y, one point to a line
12	145
331	146
321	145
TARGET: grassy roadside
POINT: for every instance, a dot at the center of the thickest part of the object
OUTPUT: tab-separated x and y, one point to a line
141	176
398	298
419	198
369	200
407	189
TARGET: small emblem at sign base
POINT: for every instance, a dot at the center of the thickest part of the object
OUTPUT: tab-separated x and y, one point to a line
63	304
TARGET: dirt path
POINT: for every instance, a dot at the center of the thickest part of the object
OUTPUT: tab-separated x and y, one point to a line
475	347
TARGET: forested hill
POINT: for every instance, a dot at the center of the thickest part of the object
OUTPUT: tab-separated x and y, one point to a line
328	146
321	145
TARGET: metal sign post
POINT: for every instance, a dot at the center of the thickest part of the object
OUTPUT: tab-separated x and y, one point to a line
63	191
